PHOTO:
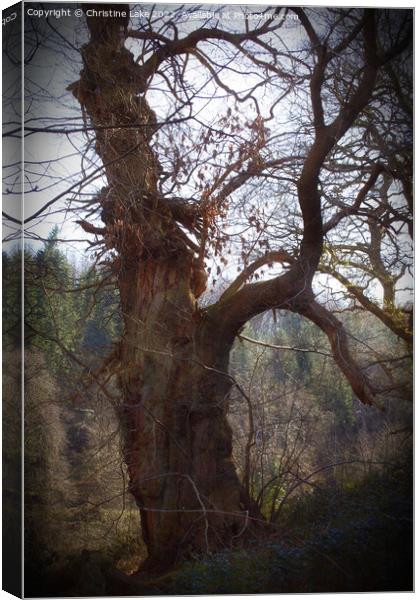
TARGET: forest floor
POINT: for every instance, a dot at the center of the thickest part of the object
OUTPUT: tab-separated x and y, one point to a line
356	539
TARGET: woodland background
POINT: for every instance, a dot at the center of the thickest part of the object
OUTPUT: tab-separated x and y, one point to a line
334	475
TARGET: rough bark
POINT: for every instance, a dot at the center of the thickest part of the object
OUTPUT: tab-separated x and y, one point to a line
178	442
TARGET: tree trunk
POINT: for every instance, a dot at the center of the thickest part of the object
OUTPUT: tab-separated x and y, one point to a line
173	362
178	443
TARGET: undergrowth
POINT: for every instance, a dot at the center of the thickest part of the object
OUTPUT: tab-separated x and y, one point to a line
352	539
332	540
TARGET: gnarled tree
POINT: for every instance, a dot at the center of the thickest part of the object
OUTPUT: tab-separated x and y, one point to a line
283	181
